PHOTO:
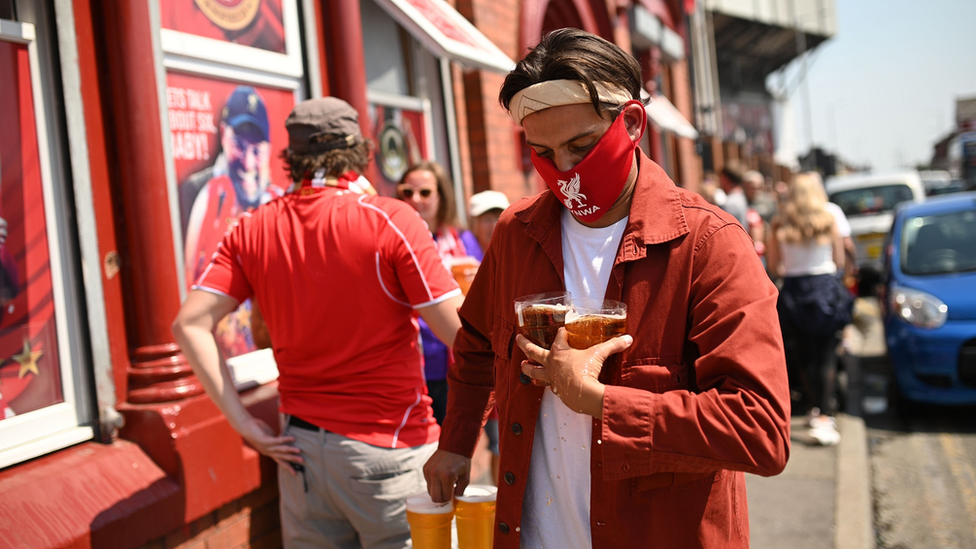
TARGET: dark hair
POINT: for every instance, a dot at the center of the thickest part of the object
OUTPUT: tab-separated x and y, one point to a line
733	171
335	162
446	208
574	54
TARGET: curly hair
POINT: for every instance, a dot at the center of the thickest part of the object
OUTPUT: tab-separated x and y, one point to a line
804	217
335	162
574	54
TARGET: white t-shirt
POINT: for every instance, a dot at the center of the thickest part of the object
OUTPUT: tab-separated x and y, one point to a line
843	225
556	511
807	259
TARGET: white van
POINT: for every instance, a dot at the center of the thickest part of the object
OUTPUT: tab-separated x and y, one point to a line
868	200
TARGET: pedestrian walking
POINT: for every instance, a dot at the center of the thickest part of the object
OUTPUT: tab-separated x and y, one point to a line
806	250
735	201
650	446
338	275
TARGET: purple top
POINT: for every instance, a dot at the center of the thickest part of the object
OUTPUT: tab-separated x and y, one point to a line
435	352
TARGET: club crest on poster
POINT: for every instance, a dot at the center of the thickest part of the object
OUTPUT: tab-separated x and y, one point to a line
252	23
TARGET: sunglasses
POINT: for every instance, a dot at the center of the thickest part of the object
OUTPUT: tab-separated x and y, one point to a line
408	192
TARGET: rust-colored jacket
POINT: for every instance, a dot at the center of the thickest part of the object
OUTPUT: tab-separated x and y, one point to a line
699	398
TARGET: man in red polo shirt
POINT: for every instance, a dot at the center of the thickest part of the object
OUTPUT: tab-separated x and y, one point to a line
338	275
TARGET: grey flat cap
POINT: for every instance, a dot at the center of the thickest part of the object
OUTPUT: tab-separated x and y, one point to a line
319	117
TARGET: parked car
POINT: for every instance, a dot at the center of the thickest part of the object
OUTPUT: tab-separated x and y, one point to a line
953	186
935	181
868	201
929	300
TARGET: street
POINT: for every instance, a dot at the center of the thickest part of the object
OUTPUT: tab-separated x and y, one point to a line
922	462
924	478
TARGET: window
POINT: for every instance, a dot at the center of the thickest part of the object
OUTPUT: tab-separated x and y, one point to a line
871	200
939	244
8	10
42	404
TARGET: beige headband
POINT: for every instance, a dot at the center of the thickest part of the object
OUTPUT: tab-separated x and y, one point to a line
554	93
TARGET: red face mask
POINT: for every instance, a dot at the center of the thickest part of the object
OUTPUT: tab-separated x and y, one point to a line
591	187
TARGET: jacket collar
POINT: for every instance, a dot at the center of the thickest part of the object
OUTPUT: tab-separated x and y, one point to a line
656	215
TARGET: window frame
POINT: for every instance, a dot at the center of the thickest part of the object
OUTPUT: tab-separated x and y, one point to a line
66	423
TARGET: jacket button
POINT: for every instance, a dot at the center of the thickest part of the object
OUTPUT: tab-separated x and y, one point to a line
509	478
502	527
525	379
517	428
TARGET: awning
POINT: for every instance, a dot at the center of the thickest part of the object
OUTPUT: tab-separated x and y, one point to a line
446	33
664	114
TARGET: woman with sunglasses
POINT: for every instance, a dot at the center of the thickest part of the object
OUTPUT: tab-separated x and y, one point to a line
427	187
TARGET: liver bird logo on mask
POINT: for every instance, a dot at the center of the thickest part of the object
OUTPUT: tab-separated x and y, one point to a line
571	190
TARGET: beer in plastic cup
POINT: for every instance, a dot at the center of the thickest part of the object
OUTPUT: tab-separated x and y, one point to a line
541	315
430	523
475	513
464	269
592	321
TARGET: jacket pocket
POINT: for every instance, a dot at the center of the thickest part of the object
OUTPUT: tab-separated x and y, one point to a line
503	343
649	485
657	374
502	338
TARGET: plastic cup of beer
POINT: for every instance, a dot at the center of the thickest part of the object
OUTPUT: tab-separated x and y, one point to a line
464	269
430	522
541	315
475	514
592	321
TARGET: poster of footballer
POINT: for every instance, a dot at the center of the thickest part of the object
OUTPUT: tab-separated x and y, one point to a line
226	138
253	23
30	370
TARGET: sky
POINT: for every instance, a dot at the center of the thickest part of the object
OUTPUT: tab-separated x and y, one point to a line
883	89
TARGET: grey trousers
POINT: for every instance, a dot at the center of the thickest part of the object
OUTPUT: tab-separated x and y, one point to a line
351	495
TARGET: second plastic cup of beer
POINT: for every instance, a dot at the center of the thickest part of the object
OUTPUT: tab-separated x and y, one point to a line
592	321
475	512
430	523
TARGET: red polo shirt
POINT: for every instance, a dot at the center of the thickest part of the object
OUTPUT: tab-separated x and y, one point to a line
337	276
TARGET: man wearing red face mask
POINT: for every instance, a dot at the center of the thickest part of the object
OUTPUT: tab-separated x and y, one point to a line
650	447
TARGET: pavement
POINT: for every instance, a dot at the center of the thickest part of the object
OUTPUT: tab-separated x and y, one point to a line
823	498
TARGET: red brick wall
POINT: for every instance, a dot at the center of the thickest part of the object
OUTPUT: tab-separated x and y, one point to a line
689	172
250	522
492	136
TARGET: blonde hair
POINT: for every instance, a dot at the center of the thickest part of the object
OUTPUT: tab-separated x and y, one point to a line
804	216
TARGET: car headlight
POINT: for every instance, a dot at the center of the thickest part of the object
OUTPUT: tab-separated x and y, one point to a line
918	308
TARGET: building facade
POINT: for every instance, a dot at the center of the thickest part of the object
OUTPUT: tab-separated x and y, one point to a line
132	132
751	58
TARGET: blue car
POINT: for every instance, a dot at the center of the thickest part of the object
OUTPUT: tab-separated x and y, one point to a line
929	300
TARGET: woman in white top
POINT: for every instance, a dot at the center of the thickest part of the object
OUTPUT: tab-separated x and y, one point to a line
807	252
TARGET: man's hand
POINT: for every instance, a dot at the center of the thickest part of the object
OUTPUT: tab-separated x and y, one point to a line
573	375
279	448
447	475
